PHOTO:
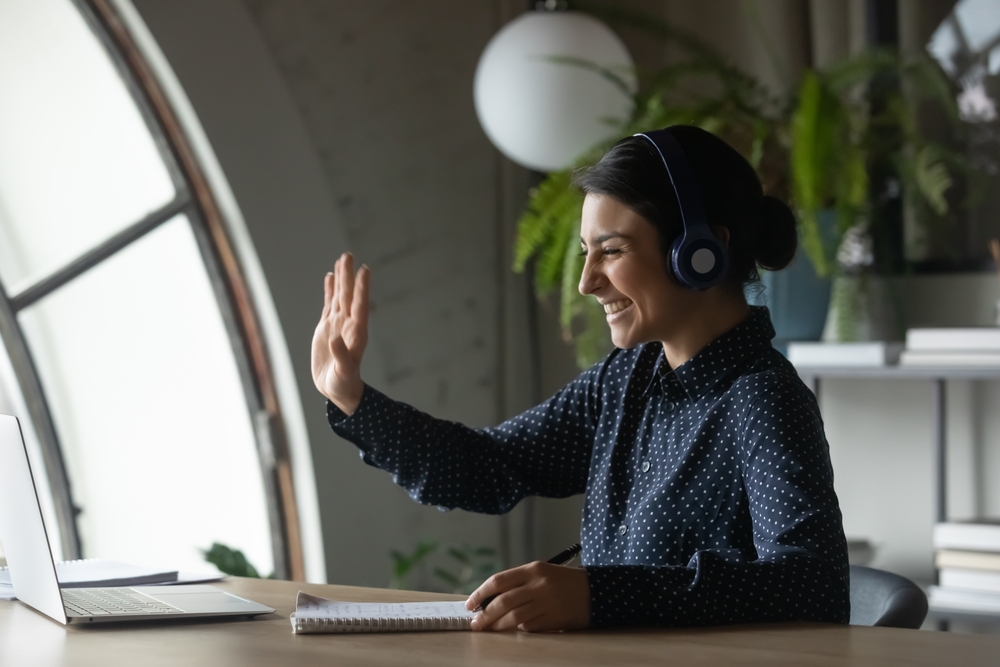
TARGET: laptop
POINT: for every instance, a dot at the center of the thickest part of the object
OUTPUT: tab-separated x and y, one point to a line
33	573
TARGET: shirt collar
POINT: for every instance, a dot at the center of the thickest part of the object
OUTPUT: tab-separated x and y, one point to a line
732	351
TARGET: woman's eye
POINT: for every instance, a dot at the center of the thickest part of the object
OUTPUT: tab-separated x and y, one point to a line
611	251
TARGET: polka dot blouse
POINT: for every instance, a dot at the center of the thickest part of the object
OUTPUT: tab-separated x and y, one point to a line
709	489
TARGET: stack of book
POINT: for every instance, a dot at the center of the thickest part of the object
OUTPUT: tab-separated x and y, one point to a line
952	347
967	555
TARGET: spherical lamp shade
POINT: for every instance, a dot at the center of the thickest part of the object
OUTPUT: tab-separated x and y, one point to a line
540	110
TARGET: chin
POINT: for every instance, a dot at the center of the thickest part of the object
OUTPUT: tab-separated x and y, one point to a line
623	341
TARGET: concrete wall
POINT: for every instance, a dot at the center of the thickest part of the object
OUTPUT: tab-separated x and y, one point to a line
350	126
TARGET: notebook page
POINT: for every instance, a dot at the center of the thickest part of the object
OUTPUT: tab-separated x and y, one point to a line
310	606
318	615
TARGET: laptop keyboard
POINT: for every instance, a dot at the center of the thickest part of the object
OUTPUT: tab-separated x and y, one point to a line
112	602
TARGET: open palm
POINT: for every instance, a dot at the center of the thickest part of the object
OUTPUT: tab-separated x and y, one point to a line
342	334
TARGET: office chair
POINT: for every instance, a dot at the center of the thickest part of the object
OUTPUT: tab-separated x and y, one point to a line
885	599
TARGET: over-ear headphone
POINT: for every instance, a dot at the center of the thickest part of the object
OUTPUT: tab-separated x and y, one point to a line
698	258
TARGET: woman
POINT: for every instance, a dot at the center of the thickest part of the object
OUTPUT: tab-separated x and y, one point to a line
709	489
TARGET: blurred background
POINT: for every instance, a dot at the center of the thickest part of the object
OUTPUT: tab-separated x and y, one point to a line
176	177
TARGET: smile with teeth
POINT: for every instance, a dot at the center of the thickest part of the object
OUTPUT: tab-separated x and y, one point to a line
617	306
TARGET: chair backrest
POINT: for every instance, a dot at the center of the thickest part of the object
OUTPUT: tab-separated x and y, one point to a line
885	599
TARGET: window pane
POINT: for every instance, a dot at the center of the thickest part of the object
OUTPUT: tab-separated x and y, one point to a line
12	403
150	409
77	163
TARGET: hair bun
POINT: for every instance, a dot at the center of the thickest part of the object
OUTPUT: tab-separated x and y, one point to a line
777	235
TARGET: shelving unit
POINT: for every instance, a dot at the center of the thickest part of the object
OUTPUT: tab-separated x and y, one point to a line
939	376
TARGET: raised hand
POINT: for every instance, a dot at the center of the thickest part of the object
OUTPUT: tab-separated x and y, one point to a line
342	334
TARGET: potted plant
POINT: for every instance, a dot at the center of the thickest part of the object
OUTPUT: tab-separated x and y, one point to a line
836	147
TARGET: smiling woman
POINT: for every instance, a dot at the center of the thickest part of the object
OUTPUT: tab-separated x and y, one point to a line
631	220
709	490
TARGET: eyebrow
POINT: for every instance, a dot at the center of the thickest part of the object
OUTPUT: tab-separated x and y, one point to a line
604	237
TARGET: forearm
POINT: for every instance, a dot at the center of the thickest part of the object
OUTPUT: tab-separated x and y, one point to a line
712	590
447	464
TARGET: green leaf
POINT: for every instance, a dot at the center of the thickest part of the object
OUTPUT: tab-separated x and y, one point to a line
447	576
572	269
924	77
460	555
229	561
553	200
403	564
623	84
549	264
933	178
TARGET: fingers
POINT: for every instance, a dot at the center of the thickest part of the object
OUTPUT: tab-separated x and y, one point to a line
508	610
523	616
359	307
500	582
328	282
345	280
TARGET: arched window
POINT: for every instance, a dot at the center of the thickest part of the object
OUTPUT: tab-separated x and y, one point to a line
131	349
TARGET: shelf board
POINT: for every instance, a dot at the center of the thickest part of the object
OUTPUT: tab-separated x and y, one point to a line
901	372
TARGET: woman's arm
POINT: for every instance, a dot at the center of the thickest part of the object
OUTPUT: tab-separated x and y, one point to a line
801	569
544	451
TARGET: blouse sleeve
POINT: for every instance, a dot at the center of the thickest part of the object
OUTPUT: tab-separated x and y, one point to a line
544	451
800	569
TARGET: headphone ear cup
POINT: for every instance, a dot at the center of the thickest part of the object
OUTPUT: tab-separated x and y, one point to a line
699	263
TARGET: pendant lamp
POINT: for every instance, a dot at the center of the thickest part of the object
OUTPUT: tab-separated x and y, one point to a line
539	95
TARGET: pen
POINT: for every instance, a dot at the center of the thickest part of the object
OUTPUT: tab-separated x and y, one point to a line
561	558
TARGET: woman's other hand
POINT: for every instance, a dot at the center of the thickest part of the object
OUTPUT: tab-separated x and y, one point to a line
536	597
341	335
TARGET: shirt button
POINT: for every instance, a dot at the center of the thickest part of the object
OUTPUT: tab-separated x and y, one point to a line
622	529
669	406
645	466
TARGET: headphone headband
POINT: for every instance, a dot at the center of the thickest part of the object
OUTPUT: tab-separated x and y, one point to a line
698	257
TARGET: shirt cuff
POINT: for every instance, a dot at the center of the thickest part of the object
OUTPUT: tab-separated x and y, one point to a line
637	595
602	590
341	420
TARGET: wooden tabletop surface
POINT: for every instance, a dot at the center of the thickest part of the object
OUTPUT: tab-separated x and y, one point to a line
30	639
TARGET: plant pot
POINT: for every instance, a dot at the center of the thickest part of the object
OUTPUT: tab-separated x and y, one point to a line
798	299
862	308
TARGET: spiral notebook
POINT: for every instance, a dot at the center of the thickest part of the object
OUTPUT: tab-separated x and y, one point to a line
317	615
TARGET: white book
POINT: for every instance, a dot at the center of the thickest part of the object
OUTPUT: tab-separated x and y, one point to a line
982	535
959	599
869	354
318	615
976	580
969	560
954	339
968	359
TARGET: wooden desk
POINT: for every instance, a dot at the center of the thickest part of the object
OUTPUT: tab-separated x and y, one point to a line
30	640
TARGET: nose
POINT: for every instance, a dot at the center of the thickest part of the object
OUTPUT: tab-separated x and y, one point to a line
591	279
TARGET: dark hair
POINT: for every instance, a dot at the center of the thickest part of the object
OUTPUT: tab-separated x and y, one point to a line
762	229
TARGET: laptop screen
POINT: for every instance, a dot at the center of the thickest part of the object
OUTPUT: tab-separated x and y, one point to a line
22	531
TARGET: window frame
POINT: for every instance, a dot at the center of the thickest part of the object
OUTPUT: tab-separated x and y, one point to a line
195	199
